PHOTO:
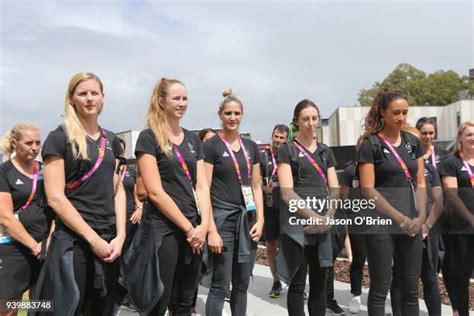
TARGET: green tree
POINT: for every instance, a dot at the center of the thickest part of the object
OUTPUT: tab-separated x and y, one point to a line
438	88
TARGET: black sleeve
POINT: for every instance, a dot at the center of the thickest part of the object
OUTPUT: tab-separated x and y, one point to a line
419	148
450	167
209	150
365	153
284	155
255	153
55	144
116	147
4	187
435	179
197	143
346	178
146	143
331	159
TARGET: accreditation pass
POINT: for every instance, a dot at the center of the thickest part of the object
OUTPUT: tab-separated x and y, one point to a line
29	305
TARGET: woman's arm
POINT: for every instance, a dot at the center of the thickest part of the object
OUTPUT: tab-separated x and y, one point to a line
137	214
157	195
140	189
13	227
203	193
214	240
367	183
420	199
120	219
54	180
256	230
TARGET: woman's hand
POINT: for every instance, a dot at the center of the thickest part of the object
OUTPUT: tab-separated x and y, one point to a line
101	248
137	215
256	231
116	245
214	242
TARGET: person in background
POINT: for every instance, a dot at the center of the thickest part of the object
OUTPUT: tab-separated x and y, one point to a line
271	191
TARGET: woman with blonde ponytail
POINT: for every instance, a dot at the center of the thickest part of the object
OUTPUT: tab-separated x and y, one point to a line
161	269
23	222
80	180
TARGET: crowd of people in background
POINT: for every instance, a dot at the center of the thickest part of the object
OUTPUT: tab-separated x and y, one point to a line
91	232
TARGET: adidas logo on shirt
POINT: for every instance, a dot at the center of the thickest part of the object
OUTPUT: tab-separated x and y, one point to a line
464	169
225	154
18	182
300	155
386	151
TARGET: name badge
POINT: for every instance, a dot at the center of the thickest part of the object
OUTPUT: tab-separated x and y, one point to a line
355	183
197	202
248	198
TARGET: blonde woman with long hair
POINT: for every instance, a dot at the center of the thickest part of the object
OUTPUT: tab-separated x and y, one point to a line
162	267
457	173
83	189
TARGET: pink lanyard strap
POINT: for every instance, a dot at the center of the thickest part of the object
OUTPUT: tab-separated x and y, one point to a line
124	171
397	156
312	161
236	163
270	182
78	182
33	187
433	157
183	163
468	168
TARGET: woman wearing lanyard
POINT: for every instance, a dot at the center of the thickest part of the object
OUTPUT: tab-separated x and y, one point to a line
430	257
391	168
162	266
24	224
458	180
80	162
435	157
232	164
306	170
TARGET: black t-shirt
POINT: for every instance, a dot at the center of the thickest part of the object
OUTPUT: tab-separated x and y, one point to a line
266	169
94	198
129	181
440	155
225	184
173	178
454	167
390	179
349	176
33	218
432	180
305	175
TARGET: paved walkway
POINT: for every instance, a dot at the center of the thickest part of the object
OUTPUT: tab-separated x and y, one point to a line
259	304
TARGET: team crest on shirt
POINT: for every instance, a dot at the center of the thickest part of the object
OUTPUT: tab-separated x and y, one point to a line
248	152
18	182
107	145
191	148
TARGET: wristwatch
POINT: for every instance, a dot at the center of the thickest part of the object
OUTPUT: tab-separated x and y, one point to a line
429	225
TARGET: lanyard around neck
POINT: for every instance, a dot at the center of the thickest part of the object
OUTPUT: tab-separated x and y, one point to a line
236	163
33	187
468	168
397	156
311	160
100	158
183	163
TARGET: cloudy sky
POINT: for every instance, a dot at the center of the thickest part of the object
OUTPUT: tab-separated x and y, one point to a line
271	53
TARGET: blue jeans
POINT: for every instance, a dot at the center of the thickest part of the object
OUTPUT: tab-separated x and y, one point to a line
227	269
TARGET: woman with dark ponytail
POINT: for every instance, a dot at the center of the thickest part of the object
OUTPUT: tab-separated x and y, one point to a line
391	168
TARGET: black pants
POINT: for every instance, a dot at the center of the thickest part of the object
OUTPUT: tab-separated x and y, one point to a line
338	235
359	255
90	301
317	286
448	268
180	279
406	253
461	250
